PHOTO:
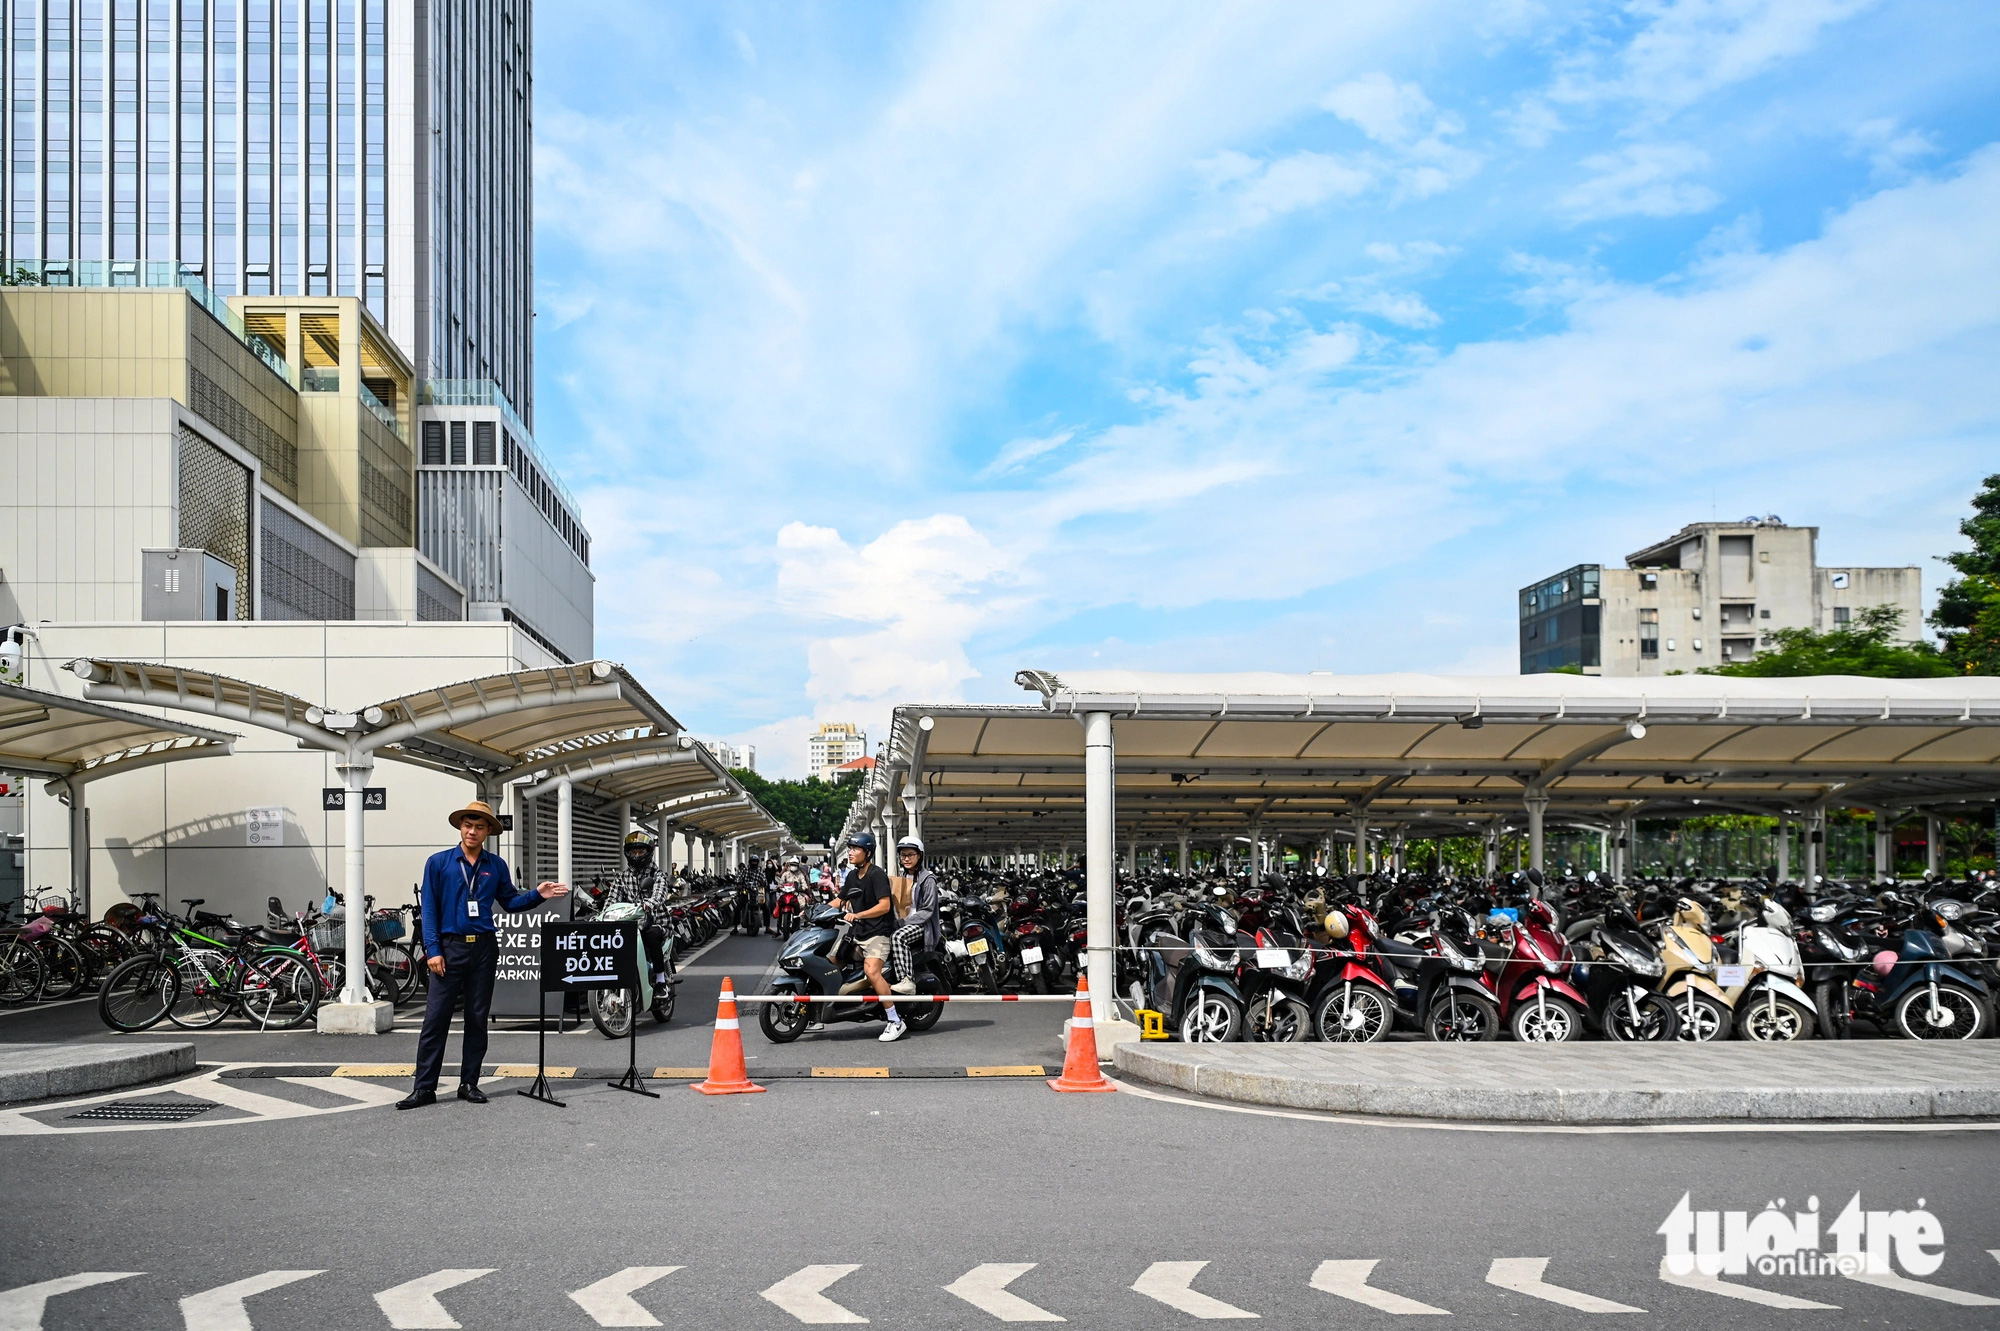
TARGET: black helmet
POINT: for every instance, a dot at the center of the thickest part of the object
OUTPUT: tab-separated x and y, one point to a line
865	840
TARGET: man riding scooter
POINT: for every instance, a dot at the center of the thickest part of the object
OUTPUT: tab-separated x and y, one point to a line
871	919
641	883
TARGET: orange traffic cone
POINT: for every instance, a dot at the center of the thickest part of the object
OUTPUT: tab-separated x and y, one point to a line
726	1073
1080	1071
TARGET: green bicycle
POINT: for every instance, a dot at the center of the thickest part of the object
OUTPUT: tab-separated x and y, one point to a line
196	980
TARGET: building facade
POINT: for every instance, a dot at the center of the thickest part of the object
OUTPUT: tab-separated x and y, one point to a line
375	149
834	743
1709	595
736	757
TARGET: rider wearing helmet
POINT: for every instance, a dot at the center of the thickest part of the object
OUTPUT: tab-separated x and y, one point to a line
870	921
641	882
920	927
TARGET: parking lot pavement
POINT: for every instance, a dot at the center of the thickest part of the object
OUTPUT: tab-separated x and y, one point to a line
927	1204
976	1034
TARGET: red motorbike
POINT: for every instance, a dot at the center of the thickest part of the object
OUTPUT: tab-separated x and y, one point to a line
1350	995
789	909
1537	1001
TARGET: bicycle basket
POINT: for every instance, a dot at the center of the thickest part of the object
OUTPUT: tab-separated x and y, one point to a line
328	937
386	928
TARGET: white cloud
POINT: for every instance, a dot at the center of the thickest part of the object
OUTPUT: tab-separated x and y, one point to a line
1890	149
1383	109
1404	308
1018	453
1644	179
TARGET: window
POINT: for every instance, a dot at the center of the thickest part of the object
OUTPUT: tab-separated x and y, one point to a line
482	444
1841	614
433	443
1763	614
1840	582
1697	644
1649	633
1649	582
458	443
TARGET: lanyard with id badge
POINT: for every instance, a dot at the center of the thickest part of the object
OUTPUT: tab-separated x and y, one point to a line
471	902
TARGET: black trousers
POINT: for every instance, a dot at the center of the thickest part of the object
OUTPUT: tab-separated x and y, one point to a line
468	975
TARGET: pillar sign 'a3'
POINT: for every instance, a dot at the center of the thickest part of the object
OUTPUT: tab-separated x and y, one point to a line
333	799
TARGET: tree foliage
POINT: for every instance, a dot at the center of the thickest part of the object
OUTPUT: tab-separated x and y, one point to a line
1867	646
812	808
1967	617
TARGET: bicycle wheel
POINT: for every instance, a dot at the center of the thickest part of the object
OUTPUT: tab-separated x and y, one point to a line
138	993
278	990
21	973
203	997
397	967
66	970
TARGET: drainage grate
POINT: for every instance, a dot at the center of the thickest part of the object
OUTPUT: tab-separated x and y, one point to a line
142	1111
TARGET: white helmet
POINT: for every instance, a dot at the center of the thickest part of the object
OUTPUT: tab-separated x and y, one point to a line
910	843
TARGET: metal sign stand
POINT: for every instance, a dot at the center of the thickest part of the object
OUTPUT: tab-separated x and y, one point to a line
632	1081
540	1089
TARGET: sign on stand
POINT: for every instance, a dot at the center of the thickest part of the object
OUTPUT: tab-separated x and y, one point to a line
595	954
517	970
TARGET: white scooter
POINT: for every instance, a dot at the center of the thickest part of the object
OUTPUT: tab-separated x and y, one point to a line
1771	1003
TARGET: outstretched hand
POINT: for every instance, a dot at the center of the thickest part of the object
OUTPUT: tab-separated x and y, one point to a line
550	890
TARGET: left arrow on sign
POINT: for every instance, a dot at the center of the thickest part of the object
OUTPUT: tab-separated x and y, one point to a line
21	1309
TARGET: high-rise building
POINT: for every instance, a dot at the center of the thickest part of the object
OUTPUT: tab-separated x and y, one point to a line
1711	594
378	149
834	743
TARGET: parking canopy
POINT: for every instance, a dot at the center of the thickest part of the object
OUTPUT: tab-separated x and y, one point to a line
72	743
1303	754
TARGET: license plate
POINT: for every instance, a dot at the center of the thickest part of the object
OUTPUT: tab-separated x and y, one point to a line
954	946
1732	977
976	946
1031	956
1273	958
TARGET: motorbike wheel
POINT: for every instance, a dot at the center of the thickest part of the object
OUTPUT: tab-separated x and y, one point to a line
663	1003
1040	982
1212	1018
989	980
1286	1022
1354	1014
1835	1022
1658	1019
1773	1020
1708	1022
923	1016
783	1023
611	1012
1464	1019
1960	1014
1547	1020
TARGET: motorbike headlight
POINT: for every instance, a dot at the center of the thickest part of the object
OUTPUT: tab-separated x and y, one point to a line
1823	912
1839	949
1639	963
1210	957
1301	967
1949	910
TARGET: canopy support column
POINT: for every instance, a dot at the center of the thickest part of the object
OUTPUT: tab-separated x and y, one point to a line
1933	861
79	851
565	829
1256	851
1815	846
355	1013
1100	851
1183	861
1885	844
1538	807
1492	849
1784	848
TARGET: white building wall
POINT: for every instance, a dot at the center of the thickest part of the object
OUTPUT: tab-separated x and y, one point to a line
543	580
180	829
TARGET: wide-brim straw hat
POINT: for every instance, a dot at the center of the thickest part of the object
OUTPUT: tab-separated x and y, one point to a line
477	809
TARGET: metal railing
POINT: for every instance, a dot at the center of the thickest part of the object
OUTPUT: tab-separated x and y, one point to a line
486	393
133	274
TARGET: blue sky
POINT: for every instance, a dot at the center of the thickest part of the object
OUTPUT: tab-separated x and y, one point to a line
893	348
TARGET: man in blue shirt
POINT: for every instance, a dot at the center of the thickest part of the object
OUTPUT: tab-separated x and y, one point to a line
463	887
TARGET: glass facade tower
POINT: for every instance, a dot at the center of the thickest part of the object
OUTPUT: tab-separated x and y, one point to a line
370	148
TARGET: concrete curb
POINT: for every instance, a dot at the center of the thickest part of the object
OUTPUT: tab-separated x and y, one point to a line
1606	1084
46	1071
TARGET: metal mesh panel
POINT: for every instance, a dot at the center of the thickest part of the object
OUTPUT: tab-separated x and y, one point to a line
594	850
458	528
306	576
436	601
214	491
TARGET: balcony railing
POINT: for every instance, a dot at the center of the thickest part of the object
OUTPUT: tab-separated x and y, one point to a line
116	273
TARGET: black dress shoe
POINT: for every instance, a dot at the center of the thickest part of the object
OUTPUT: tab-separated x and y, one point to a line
417	1100
472	1093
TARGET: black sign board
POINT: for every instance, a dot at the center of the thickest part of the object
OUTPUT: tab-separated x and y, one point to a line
517	989
593	955
332	799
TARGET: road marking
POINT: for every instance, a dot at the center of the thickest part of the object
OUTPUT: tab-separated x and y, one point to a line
850	1072
1523	1275
528	1070
376	1070
610	1303
413	1305
21	1309
680	1074
1748	1293
221	1308
1009	1070
1168	1283
1349	1280
1905	1285
985	1288
364	1093
799	1294
233	1094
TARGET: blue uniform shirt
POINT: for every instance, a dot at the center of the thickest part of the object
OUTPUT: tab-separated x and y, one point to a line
460	898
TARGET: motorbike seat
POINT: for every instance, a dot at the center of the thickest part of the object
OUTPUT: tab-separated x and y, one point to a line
1400	952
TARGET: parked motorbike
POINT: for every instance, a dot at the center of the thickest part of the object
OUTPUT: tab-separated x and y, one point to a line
1619	963
1537	1001
1352	1002
1770	1004
612	1011
1916	991
1688	975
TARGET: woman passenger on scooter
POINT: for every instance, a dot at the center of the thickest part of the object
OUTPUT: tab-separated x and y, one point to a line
920	927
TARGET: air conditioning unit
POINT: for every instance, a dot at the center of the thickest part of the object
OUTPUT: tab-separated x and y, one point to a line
187	584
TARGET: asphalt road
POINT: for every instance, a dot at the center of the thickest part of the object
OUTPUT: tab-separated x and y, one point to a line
914	1184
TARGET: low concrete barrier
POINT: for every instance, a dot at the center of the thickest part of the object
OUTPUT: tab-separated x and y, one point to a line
44	1071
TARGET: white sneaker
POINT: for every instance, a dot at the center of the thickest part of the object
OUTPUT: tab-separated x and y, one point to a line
903	987
896	1030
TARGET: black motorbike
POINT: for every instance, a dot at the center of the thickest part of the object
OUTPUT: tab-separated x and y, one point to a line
821	964
749	914
1619	964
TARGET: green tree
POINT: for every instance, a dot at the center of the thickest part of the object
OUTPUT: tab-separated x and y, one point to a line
1967	617
1866	646
812	808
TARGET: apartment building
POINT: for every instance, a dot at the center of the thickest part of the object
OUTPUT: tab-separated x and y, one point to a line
1708	595
832	745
